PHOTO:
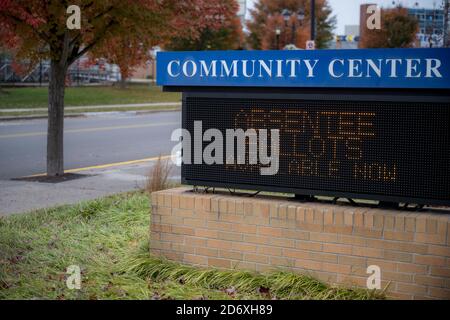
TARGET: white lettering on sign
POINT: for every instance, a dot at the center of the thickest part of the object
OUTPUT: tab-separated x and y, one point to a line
331	68
170	68
433	67
208	70
307	68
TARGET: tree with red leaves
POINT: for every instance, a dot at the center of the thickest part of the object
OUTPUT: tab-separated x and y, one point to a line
37	29
267	17
229	36
127	53
398	30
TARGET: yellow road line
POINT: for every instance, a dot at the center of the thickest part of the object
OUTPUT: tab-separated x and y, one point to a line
108	165
132	126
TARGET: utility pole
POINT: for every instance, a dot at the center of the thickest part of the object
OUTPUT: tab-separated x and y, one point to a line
313	20
293	32
277	35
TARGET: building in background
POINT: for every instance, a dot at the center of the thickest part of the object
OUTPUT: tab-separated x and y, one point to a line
432	23
349	40
352	29
147	70
83	71
363	16
431	26
447	23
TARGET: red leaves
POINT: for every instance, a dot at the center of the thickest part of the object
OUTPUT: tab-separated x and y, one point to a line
398	30
122	31
266	18
19	68
191	17
127	53
26	12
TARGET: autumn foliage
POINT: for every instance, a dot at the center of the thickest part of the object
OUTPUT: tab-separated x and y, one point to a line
398	30
133	25
224	36
120	30
267	17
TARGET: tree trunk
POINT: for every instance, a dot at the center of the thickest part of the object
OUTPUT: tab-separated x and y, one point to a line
55	131
123	83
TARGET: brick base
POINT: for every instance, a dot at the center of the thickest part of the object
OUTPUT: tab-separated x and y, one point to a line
333	243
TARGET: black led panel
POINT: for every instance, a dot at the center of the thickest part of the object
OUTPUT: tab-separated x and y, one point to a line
392	151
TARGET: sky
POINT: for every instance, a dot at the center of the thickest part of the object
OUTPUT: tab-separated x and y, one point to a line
347	11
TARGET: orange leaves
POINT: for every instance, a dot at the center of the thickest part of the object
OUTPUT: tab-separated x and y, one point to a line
398	30
126	53
122	31
191	17
267	17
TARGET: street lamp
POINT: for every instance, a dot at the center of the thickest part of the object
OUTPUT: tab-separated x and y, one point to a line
313	20
277	34
397	4
287	14
301	15
300	18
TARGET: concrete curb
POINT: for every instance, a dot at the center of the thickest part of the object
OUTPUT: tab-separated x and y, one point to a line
85	114
12	118
98	107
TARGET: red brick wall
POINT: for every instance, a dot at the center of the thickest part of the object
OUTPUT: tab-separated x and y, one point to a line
334	243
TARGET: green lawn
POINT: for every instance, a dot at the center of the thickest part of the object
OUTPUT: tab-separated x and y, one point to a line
83	96
108	239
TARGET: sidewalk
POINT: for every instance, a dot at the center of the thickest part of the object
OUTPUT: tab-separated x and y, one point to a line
24	196
109	106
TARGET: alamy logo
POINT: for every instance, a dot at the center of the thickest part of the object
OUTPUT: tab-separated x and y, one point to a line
374	280
74	20
238	147
374	20
74	279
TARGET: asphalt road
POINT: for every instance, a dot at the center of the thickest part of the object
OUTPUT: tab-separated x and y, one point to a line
95	140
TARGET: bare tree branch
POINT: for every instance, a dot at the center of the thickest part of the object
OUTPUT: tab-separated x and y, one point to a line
89	46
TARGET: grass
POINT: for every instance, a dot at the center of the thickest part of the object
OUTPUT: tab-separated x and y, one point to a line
157	179
108	239
13	98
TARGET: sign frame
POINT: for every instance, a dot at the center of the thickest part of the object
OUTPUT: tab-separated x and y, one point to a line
360	68
314	94
427	91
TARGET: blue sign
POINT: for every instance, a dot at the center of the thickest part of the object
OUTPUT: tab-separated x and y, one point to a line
366	68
